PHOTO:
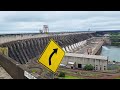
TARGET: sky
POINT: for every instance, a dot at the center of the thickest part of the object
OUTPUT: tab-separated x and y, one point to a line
58	21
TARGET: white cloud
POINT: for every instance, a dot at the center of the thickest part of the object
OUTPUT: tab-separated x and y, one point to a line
32	21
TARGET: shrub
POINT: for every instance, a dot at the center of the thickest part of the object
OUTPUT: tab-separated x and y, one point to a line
62	74
114	61
88	67
34	71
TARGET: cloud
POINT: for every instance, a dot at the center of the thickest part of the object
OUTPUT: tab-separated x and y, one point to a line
33	21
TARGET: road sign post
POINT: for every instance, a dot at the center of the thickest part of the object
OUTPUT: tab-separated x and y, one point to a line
52	75
52	56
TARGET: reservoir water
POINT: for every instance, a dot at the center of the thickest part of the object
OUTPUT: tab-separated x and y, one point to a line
113	52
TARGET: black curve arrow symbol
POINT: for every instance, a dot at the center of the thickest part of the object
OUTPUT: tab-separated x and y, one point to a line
55	51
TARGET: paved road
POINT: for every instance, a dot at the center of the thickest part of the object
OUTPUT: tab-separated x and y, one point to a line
91	45
4	74
83	50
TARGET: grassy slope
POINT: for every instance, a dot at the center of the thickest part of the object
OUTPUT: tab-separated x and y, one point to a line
69	77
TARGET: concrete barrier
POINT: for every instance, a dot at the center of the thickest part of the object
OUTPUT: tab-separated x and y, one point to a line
12	67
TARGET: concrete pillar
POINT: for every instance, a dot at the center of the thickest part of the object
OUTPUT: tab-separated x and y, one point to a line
102	66
95	64
37	46
33	47
22	55
83	62
29	48
74	46
11	53
24	51
99	64
77	45
83	42
64	49
70	48
67	49
38	43
80	43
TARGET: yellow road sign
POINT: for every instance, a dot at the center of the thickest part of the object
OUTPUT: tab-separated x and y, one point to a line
52	56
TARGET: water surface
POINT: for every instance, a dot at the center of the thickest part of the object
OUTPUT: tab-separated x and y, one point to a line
113	52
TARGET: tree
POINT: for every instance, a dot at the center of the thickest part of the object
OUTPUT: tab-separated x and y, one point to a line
88	67
62	74
114	61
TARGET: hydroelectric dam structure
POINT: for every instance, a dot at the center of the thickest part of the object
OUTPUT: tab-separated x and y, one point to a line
23	48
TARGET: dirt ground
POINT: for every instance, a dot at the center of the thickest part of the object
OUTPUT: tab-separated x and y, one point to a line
91	74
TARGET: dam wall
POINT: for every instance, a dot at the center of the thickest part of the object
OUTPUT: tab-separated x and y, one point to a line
24	50
20	51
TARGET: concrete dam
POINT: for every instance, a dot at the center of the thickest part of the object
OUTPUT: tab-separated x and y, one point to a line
22	50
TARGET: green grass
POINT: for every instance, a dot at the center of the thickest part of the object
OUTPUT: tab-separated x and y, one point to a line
117	78
34	71
71	77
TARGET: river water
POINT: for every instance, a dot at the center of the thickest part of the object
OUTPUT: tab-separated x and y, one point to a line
113	52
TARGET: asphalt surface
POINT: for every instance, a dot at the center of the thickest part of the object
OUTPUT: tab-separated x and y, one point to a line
4	74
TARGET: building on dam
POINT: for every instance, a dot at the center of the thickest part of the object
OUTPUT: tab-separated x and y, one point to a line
72	60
